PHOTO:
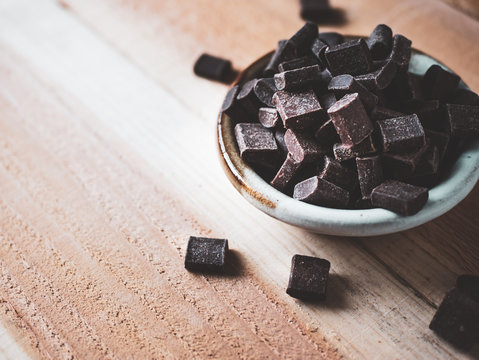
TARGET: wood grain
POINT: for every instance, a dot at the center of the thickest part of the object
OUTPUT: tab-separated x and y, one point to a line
108	163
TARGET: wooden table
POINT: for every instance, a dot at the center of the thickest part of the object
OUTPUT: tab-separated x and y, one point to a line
108	163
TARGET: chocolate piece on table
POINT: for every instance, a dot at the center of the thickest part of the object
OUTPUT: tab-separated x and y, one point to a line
297	78
298	110
213	68
439	83
321	192
264	90
326	135
429	162
232	108
351	57
464	97
279	137
439	139
401	51
257	144
457	319
399	197
297	63
248	99
334	172
380	42
285	51
344	153
382	113
327	99
343	84
350	119
315	10
331	38
402	166
469	285
308	279
286	173
303	38
206	254
462	120
268	117
401	134
301	147
380	78
318	48
370	174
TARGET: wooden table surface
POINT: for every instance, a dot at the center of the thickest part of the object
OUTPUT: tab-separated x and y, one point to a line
108	163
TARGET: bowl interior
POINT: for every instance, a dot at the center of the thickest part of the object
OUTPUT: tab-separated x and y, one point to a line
456	183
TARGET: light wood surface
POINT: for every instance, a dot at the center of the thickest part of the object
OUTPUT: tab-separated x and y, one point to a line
108	163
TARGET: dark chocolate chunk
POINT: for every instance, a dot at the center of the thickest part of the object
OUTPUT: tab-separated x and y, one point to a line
351	57
297	78
401	51
383	113
334	172
298	110
468	285
343	84
326	135
406	88
343	152
402	166
380	42
248	99
286	173
257	144
327	99
321	192
206	254
350	119
264	90
213	68
429	162
462	120
370	174
301	147
232	108
318	48
297	63
380	78
464	97
303	38
401	134
308	279
268	117
457	319
439	139
439	83
284	52
279	136
429	113
401	198
331	38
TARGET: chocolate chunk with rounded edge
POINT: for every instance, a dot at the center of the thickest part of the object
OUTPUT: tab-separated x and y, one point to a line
298	110
308	279
401	134
464	97
344	153
462	120
457	319
297	63
350	119
370	174
439	83
401	51
279	137
326	135
351	57
285	51
297	78
429	162
337	174
256	144
213	68
380	42
343	84
402	166
331	38
232	108
468	285
268	117
399	197
379	79
321	192
383	113
248	99
439	139
301	147
264	90
286	173
206	254
318	48
303	38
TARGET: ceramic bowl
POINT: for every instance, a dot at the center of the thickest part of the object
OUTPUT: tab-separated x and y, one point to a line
455	186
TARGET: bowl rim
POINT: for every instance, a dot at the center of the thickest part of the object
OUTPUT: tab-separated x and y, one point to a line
458	183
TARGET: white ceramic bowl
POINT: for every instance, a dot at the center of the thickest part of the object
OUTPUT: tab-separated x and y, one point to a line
443	197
